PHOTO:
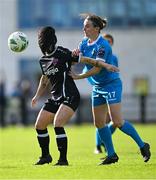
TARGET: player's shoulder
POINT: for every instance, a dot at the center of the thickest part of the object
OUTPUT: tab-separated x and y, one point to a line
103	41
84	41
45	57
102	44
42	58
62	50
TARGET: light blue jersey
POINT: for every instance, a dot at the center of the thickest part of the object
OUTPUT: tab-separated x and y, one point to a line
114	75
100	50
115	60
107	86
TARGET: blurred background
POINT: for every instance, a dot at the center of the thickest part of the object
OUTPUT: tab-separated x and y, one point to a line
131	22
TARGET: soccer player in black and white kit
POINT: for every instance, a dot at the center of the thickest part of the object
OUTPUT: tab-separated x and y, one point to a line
55	64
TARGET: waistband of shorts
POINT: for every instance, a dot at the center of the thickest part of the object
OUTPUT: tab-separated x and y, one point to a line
104	84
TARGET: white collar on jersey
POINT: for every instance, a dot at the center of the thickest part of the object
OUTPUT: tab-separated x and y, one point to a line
51	52
94	42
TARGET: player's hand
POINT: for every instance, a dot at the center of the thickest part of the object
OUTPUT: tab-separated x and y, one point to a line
74	75
75	52
112	68
34	101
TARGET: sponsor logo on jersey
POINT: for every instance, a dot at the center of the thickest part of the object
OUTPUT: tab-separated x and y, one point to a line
55	61
51	71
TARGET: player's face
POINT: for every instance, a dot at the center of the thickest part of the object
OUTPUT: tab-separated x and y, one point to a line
89	30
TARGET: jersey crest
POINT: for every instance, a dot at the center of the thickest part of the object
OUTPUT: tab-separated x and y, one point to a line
101	52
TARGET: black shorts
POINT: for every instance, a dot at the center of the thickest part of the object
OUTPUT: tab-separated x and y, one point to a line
52	105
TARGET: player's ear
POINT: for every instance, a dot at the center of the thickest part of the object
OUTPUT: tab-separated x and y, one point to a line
97	28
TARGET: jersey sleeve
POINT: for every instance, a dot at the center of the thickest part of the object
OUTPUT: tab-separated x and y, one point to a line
82	45
115	60
70	57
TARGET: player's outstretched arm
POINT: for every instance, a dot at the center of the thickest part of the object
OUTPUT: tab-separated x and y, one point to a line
44	81
98	63
87	74
94	62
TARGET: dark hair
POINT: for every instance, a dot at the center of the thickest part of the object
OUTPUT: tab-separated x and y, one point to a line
96	20
47	39
110	37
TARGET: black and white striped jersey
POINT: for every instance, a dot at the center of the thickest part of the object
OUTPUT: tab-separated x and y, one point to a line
56	67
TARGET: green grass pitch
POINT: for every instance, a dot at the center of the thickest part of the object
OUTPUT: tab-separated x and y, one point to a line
19	151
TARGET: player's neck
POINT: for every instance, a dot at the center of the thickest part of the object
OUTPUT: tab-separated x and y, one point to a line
93	39
51	53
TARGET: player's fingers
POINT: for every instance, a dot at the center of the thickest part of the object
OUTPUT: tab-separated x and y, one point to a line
116	69
75	52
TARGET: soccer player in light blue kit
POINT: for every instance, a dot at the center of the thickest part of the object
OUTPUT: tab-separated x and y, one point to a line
107	89
98	141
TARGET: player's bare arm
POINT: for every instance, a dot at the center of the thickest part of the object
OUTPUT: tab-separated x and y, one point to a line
94	62
93	71
44	81
99	63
